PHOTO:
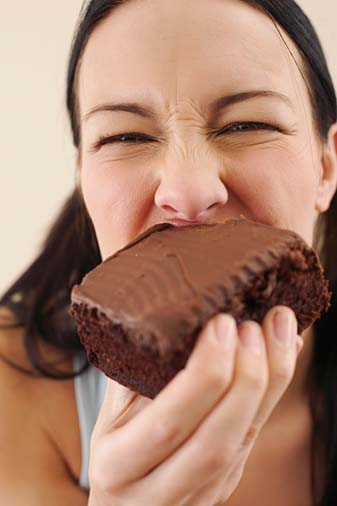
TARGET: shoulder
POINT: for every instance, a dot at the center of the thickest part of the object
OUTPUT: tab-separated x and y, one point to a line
38	400
12	346
11	340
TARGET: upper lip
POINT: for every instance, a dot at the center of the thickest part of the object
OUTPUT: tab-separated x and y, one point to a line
182	223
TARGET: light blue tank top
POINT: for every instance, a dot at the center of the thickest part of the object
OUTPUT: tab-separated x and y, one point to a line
89	392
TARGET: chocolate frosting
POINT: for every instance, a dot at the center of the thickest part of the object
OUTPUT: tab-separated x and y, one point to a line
170	278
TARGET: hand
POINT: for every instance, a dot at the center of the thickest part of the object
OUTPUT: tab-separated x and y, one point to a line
190	444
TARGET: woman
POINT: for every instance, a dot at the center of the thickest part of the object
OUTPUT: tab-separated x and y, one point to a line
188	112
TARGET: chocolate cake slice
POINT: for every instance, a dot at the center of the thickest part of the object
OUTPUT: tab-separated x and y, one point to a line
139	312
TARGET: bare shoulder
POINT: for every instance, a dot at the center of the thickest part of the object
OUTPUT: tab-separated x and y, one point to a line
39	449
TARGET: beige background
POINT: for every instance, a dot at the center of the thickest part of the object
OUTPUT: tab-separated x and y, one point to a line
36	156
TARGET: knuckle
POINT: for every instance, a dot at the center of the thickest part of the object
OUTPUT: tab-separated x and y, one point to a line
215	458
282	372
101	469
213	462
99	478
255	379
165	433
251	435
218	378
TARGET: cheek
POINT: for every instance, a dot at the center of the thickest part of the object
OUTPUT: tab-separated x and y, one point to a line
278	186
114	205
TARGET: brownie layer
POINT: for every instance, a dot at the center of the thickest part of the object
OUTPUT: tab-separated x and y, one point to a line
140	311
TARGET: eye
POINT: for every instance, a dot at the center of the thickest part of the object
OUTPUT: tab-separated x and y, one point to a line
249	125
127	138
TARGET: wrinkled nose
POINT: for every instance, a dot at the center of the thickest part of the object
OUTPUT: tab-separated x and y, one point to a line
190	196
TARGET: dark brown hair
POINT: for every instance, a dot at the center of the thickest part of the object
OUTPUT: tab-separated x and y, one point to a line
40	297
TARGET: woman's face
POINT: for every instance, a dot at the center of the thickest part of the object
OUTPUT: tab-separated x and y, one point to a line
176	60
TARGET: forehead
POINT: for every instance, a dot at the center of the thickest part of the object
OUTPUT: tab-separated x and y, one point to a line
185	49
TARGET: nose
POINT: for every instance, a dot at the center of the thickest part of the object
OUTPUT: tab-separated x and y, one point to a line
190	195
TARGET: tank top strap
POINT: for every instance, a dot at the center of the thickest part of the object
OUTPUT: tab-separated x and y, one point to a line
89	392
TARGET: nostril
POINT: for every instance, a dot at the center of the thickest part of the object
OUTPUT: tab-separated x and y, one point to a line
211	206
166	207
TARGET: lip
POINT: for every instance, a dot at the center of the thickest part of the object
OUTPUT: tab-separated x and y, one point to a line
182	223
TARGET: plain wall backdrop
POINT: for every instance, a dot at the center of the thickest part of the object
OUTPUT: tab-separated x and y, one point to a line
37	159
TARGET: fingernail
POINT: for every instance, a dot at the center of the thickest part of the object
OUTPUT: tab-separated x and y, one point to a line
251	338
283	327
224	330
299	344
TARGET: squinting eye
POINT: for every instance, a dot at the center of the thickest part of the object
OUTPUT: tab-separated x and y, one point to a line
128	138
248	125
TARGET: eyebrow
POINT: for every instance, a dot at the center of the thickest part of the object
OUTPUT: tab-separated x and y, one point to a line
215	107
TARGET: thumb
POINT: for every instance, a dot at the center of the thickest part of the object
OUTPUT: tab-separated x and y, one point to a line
120	404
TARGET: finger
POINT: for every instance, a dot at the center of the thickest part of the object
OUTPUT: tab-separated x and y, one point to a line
119	405
299	344
215	492
280	331
281	368
250	439
207	495
213	446
155	433
218	490
231	482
